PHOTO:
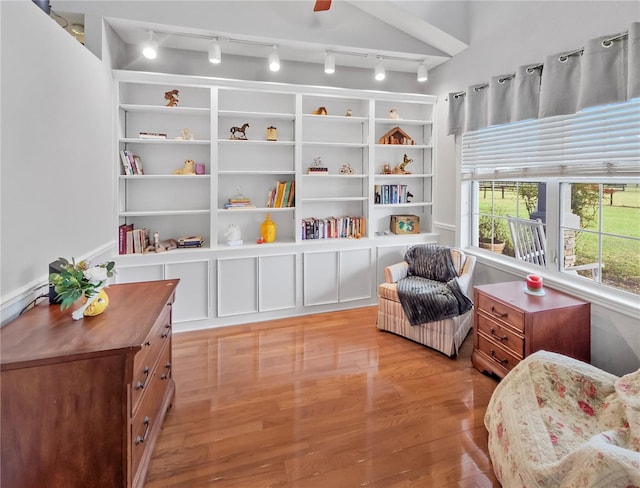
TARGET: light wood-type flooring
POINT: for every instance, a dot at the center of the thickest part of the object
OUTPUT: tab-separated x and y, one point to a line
324	401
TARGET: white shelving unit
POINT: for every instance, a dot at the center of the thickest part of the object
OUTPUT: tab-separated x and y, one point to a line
229	284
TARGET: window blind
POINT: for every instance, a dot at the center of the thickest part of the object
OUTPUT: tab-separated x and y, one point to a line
597	141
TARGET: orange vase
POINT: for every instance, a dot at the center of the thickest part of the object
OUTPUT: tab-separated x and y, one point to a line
268	229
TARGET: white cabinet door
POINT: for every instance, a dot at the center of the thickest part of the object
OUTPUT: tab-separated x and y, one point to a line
277	282
192	294
131	274
237	286
320	277
355	274
388	255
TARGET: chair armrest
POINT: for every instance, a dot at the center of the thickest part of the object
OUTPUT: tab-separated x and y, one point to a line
396	272
464	280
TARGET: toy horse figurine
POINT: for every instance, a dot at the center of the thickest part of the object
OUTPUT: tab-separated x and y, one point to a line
401	168
235	130
172	98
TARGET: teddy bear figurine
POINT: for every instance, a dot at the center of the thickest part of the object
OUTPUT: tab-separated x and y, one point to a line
189	168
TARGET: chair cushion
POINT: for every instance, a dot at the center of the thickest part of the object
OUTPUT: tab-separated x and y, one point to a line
388	291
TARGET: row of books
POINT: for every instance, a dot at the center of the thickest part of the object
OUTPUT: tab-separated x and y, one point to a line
334	228
132	241
386	194
131	163
283	195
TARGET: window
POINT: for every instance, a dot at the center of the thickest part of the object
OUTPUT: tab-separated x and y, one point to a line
562	193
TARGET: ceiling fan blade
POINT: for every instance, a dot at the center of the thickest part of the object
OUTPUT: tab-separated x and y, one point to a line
321	5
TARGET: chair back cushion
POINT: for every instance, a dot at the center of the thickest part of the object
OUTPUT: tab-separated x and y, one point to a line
431	262
458	258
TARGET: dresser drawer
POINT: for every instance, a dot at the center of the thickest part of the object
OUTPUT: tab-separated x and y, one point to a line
496	353
500	311
144	421
502	334
147	357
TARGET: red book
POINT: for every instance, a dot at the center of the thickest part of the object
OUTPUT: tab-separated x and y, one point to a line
122	237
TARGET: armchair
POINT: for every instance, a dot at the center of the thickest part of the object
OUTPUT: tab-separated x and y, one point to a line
445	335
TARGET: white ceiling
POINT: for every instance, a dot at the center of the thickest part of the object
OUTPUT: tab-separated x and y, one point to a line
402	32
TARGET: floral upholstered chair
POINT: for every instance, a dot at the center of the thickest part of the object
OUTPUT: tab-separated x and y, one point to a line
444	335
557	422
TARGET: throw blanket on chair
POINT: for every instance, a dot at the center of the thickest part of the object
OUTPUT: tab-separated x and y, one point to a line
431	292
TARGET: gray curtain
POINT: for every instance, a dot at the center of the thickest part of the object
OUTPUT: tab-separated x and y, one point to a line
606	70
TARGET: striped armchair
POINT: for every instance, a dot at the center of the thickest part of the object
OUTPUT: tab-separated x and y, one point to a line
446	335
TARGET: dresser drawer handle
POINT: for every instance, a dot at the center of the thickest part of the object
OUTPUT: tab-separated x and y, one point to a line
147	343
143	437
493	333
501	361
499	314
167	331
167	366
140	385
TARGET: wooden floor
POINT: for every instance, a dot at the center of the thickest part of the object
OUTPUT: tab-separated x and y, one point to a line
321	401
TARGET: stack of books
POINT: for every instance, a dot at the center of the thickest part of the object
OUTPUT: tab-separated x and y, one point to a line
283	195
152	135
239	202
191	241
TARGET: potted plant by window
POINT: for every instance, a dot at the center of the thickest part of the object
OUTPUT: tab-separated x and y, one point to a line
493	234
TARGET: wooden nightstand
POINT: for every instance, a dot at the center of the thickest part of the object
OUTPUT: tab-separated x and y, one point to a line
510	324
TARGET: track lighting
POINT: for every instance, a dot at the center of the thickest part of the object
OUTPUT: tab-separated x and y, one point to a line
215	55
379	71
329	63
150	47
423	72
274	60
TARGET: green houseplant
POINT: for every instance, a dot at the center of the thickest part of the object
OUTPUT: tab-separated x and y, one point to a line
493	234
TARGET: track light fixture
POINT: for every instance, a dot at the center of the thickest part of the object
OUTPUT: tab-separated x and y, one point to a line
215	54
274	60
379	71
150	47
423	72
329	63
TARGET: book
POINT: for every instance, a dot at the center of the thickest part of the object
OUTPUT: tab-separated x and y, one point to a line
138	161
126	165
290	201
152	135
122	237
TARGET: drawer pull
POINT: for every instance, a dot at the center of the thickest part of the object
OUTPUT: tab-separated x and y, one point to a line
165	334
501	361
167	366
499	314
140	385
493	333
148	343
143	437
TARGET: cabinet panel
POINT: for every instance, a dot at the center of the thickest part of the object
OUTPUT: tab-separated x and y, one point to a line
131	274
277	282
320	277
355	274
192	298
237	286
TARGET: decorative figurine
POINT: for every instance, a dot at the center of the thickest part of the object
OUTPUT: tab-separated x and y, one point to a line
401	168
172	98
348	113
239	130
317	167
189	168
320	111
386	170
161	246
393	114
272	133
409	195
234	238
346	169
185	135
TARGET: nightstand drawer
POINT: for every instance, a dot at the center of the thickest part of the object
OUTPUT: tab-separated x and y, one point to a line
502	334
500	311
496	353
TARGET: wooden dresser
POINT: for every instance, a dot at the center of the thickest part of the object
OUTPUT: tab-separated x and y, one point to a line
83	401
510	324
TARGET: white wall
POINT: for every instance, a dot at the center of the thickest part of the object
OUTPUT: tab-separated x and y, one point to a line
503	36
57	153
